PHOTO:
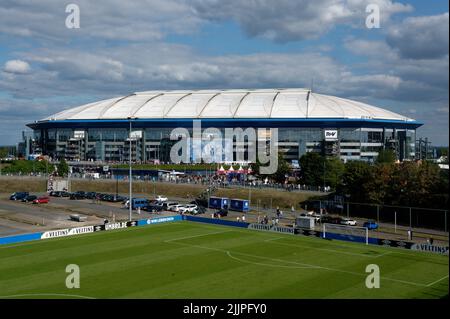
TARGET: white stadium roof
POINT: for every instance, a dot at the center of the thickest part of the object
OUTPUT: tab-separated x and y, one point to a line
238	104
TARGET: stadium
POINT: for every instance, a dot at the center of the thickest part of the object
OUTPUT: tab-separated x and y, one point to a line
306	122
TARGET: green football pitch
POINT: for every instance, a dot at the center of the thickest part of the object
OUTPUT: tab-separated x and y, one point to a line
194	260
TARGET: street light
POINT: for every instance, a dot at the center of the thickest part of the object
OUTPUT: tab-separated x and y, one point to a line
130	198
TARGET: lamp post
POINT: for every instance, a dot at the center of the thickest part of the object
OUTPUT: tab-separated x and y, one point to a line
130	178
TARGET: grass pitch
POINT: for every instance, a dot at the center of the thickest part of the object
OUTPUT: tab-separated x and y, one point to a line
193	260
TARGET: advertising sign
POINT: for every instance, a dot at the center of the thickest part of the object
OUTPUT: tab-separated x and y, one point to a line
331	135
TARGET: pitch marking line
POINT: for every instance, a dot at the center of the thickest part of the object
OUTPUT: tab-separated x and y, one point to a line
435	282
324	249
304	264
195	236
263	264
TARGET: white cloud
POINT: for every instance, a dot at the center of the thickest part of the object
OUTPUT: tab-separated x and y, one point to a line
294	20
16	67
114	19
424	37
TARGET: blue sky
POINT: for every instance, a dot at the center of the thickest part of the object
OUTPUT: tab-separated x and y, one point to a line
122	47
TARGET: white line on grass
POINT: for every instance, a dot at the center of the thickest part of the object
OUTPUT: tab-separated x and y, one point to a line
324	249
263	264
303	264
194	236
435	282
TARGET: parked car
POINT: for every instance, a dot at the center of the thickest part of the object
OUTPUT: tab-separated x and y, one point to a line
168	205
116	198
41	200
189	208
29	198
161	198
199	210
90	195
327	219
107	197
78	195
177	207
348	222
18	195
65	194
153	206
370	225
137	203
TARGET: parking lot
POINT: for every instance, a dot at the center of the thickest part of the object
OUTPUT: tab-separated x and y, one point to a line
23	217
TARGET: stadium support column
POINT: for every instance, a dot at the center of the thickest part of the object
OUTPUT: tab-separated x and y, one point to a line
86	143
143	147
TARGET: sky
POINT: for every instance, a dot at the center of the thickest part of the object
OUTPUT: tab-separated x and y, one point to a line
123	47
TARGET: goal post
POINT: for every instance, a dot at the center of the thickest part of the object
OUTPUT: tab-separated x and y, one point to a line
345	232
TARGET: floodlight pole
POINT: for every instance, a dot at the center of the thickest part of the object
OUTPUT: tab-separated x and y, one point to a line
130	200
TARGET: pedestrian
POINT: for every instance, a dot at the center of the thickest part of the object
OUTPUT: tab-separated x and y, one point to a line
238	219
409	234
243	218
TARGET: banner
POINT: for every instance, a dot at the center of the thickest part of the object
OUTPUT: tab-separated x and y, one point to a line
159	220
55	233
67	232
112	226
394	243
430	248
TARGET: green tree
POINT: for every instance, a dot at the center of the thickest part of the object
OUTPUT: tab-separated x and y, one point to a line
386	156
356	180
334	170
27	167
312	169
283	169
63	168
3	152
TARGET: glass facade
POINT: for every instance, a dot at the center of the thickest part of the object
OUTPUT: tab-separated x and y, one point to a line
152	143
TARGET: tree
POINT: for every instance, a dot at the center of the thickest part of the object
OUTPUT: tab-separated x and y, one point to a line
63	168
386	156
334	169
283	169
3	152
312	169
356	180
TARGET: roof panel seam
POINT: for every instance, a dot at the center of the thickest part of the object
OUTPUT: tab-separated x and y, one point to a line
146	101
173	105
239	104
206	104
106	108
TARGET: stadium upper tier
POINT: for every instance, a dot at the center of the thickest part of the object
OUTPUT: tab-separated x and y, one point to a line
227	104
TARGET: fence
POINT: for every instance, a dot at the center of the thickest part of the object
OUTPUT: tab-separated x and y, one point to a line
399	217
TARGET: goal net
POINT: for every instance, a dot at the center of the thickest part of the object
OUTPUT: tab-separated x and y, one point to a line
345	232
